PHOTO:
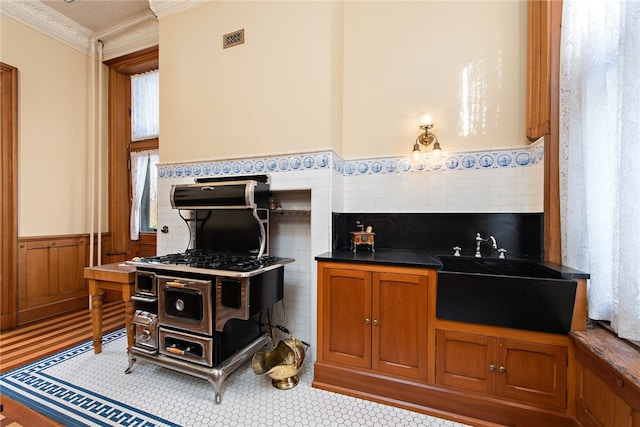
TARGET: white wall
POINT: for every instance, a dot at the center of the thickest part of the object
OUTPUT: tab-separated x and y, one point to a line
275	93
464	61
353	77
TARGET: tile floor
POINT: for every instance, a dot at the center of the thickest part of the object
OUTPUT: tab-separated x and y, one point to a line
173	398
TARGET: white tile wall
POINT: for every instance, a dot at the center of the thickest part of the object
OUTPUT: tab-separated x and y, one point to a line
331	184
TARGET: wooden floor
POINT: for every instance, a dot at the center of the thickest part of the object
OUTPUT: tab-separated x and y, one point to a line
35	341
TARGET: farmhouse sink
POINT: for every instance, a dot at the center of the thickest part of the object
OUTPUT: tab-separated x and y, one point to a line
518	293
502	267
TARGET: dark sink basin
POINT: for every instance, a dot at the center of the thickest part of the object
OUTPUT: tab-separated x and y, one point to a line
502	267
516	293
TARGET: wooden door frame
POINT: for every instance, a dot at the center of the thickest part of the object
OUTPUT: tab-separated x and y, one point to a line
9	197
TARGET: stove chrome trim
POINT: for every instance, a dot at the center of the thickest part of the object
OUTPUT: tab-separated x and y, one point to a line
146	338
225	313
180	268
205	343
146	283
216	375
202	326
250	187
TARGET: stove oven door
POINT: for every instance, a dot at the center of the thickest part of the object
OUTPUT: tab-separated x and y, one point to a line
185	304
187	347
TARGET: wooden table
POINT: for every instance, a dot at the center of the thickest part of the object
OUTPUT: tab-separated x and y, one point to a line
115	277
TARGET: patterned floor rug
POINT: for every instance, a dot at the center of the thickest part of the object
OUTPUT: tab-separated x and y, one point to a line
79	388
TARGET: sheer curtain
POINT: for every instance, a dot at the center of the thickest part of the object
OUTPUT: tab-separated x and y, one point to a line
600	155
140	160
145	95
139	163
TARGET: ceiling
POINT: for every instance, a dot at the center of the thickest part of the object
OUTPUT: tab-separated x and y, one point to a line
100	15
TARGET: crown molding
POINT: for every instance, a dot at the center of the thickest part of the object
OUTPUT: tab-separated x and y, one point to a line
138	33
163	8
141	36
50	22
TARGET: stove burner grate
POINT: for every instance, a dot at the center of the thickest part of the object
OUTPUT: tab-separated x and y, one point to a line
214	261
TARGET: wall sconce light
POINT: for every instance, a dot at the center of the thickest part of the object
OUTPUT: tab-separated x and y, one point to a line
426	138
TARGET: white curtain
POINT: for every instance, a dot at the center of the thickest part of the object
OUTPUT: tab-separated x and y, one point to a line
139	163
600	155
145	96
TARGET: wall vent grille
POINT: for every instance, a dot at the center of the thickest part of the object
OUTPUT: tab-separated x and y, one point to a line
233	39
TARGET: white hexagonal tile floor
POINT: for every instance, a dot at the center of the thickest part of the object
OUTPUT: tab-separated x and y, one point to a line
96	384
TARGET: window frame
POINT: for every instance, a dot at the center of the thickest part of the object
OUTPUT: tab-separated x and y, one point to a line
120	246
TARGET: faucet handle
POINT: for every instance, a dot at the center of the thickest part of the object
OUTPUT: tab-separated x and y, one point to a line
502	251
457	250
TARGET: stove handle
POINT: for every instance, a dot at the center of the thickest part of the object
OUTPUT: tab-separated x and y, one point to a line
175	350
144	298
175	284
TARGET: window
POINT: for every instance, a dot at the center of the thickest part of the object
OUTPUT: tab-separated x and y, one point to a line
145	115
120	245
600	183
144	127
144	192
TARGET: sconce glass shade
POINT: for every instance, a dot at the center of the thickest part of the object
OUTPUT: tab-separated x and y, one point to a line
416	155
436	149
426	138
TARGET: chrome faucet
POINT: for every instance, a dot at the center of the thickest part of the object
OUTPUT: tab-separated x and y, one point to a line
479	240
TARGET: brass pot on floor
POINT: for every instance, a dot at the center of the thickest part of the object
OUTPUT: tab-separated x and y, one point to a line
282	364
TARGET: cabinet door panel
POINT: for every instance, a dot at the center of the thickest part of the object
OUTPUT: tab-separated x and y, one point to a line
347	307
71	263
597	405
532	372
400	324
466	361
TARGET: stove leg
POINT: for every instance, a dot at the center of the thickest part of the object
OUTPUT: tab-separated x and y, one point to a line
216	378
132	360
217	375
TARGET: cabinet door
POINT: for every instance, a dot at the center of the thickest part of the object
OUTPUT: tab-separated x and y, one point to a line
597	405
400	324
466	361
346	317
532	372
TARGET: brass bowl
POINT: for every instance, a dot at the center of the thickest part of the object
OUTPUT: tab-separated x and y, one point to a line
282	364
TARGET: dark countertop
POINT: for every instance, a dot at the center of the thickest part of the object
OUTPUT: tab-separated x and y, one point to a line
395	257
431	259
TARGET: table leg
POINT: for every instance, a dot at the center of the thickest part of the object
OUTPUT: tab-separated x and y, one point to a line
129	309
96	319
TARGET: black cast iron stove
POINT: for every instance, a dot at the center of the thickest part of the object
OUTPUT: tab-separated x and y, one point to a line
203	311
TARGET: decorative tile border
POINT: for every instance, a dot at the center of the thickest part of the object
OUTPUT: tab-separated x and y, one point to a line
298	162
493	159
37	387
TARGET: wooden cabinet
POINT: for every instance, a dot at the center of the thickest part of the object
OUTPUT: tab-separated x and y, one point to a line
607	373
598	405
374	320
379	339
507	368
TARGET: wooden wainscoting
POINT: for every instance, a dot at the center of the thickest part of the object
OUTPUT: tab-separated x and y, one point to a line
51	276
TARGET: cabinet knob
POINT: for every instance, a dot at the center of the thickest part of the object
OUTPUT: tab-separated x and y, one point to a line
502	369
492	368
367	321
375	322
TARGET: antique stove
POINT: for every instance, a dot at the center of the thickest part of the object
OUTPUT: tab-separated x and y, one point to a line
203	312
